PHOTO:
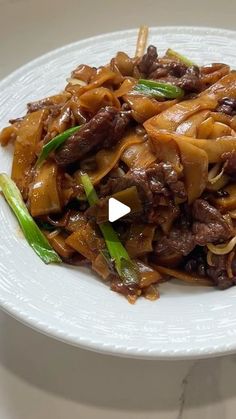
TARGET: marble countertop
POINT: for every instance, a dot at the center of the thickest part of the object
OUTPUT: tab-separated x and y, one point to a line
41	377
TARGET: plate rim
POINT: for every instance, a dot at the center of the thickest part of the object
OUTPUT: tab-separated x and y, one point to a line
54	51
118	350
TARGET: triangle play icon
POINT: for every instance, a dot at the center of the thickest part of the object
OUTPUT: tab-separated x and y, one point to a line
116	209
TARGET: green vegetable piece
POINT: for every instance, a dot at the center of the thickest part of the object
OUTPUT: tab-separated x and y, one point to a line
31	231
173	54
126	268
146	91
55	143
159	89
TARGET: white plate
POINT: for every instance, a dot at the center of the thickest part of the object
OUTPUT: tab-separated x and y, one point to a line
71	304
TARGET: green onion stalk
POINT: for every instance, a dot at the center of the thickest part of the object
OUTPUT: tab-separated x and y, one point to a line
55	143
170	53
158	89
125	267
31	231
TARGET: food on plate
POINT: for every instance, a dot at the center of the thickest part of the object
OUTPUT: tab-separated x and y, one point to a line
158	134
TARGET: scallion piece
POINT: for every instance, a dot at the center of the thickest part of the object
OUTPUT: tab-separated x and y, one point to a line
173	54
55	143
158	89
126	268
31	231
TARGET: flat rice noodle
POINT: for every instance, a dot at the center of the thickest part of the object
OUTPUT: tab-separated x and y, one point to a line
227	203
107	159
77	111
83	72
59	245
211	73
139	155
140	239
76	221
195	164
205	128
44	194
193	159
219	130
126	86
29	135
171	118
8	134
144	108
101	266
128	196
148	275
233	122
192	279
151	293
221	117
166	148
191	125
62	122
123	64
131	198
59	99
103	75
225	87
97	98
214	148
86	242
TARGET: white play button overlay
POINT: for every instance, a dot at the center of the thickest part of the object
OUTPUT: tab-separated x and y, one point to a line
116	209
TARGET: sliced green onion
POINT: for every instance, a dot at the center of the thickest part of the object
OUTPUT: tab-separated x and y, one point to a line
55	143
173	54
31	231
146	91
158	89
126	268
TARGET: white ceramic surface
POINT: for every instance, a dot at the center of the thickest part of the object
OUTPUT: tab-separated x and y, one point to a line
70	303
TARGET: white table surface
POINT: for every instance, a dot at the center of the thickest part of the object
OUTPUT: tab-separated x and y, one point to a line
41	378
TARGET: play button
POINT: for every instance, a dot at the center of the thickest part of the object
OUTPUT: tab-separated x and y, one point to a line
116	209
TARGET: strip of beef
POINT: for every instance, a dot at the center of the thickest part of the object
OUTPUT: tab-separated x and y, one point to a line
210	226
218	272
180	240
174	72
207	226
163	179
197	263
105	129
147	61
157	187
191	81
227	105
172	68
135	177
160	178
47	103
